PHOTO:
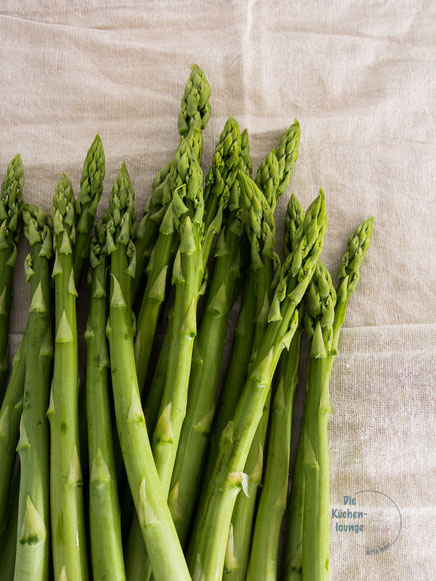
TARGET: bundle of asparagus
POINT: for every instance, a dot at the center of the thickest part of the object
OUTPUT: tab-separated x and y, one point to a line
208	494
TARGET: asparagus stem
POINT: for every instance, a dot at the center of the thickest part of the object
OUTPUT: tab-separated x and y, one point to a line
160	536
10	415
67	511
243	513
195	110
154	396
308	530
105	520
8	539
11	205
32	550
236	372
91	188
185	170
265	546
208	544
205	373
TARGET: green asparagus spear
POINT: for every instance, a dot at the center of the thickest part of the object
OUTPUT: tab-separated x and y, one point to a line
11	205
158	383
160	536
66	492
307	554
272	178
10	415
32	552
245	329
104	510
195	110
264	550
208	348
91	188
208	544
260	229
321	300
184	170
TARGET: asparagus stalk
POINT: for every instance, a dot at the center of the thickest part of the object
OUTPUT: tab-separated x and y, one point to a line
160	536
158	383
104	510
67	511
186	186
308	525
195	110
8	539
185	170
321	300
32	550
269	183
260	230
272	178
91	188
10	415
11	205
208	544
208	348
265	545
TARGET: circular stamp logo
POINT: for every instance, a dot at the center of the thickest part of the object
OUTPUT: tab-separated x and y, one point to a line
370	518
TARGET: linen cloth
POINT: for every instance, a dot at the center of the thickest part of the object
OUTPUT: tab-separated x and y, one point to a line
359	77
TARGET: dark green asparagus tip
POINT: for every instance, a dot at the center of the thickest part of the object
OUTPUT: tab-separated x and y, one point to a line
91	186
320	315
299	266
294	219
38	228
308	239
287	154
351	261
62	211
195	101
120	223
245	159
225	164
259	220
267	177
11	200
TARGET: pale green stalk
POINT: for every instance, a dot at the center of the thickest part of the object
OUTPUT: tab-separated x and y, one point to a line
66	483
210	538
11	205
104	509
32	559
160	536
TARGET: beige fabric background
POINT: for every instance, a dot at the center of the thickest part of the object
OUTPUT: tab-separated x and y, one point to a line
359	76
